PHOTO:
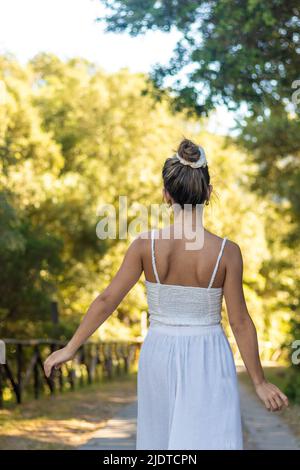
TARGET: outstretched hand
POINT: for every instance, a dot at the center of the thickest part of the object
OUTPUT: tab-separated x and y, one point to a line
273	398
56	359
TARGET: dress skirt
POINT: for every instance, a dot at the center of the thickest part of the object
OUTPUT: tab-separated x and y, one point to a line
188	396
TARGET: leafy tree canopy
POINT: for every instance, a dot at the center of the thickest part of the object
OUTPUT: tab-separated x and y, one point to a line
229	52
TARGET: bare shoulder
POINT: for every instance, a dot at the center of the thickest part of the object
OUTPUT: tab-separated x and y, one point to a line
141	242
232	252
232	247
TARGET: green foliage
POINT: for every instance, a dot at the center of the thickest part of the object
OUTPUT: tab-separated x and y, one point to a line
74	137
244	53
241	51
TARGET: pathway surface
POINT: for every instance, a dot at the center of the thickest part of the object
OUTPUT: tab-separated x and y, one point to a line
262	429
119	432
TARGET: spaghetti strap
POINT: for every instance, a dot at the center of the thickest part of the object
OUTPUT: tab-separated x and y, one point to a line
217	264
153	257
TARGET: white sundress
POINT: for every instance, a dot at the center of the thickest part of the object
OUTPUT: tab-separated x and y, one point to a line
188	396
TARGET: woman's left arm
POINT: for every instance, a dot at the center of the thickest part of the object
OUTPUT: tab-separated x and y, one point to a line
103	306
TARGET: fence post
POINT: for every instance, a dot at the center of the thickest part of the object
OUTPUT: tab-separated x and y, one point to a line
19	370
36	377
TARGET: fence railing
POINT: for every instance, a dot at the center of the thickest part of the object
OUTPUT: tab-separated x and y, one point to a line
23	375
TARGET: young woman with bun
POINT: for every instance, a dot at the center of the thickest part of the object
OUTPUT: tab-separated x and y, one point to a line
188	395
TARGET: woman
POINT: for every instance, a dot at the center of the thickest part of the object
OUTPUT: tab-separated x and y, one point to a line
187	385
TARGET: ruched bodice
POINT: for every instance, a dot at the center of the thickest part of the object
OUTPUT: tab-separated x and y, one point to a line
184	305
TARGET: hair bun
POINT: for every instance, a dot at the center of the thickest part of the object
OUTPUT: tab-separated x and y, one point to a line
188	150
184	184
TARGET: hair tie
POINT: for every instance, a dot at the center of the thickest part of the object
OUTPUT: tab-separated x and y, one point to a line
200	163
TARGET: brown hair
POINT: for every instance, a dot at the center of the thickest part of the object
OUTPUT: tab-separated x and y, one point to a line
186	185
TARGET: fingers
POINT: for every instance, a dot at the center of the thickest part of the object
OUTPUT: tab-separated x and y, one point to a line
268	405
54	361
49	364
48	367
271	404
273	398
279	401
275	402
282	396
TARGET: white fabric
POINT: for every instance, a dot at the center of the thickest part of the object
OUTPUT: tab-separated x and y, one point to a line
181	305
217	263
200	163
153	256
187	386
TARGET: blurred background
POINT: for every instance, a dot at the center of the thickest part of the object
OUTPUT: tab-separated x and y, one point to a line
94	95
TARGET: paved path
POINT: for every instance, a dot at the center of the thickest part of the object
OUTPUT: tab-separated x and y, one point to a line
262	429
119	432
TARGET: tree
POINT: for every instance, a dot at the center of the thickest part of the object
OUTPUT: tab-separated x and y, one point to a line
242	51
29	255
244	54
239	53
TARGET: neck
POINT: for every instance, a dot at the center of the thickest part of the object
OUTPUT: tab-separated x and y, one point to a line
190	218
188	224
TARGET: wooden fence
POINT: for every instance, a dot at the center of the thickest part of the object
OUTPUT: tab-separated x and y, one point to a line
23	372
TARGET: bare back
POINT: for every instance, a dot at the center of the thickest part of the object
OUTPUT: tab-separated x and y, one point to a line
178	266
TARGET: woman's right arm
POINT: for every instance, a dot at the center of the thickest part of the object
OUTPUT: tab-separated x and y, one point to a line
103	306
244	330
